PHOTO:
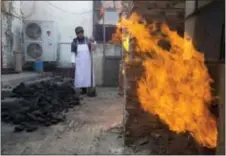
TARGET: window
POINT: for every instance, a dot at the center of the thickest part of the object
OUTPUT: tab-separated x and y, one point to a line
109	31
111	17
106	16
98	33
108	4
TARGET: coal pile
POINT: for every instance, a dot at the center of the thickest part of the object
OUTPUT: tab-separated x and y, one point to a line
40	104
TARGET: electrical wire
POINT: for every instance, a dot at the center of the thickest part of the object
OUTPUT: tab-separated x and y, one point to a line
32	10
11	14
75	13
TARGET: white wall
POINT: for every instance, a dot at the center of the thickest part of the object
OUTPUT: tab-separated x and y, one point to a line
67	14
189	7
81	14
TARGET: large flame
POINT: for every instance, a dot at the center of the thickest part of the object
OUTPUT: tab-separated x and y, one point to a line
176	83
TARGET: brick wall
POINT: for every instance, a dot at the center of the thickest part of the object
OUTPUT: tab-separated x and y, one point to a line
169	12
139	123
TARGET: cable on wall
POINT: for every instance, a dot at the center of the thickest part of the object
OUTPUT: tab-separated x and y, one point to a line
32	10
75	13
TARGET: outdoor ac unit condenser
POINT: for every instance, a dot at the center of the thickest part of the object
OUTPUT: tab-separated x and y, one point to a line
40	40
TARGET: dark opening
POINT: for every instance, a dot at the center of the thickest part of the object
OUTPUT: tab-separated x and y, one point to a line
196	5
222	52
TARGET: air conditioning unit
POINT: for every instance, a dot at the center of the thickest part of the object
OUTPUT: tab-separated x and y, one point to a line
40	41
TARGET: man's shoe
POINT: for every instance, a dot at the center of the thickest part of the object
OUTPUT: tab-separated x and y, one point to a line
84	91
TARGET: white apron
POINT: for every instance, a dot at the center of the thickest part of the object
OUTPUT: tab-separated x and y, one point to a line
83	67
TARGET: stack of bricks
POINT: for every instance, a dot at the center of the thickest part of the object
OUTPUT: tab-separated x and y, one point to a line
138	123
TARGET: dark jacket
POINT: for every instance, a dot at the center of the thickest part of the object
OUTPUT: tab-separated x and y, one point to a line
74	44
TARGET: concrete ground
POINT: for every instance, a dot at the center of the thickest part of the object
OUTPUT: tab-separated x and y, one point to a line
94	127
15	79
11	77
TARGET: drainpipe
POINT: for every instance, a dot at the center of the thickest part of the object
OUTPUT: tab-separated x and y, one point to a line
1	50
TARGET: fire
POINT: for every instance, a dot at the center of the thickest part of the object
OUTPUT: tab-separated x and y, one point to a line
176	83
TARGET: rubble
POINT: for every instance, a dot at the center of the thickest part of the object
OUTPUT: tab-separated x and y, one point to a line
39	104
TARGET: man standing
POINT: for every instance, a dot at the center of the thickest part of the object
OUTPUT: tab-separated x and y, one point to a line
81	49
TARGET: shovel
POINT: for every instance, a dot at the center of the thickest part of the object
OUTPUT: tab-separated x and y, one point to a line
91	91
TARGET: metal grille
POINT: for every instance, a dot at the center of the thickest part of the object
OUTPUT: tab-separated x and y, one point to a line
33	31
34	50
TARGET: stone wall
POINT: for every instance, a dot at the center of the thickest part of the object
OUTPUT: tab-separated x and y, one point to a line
11	31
